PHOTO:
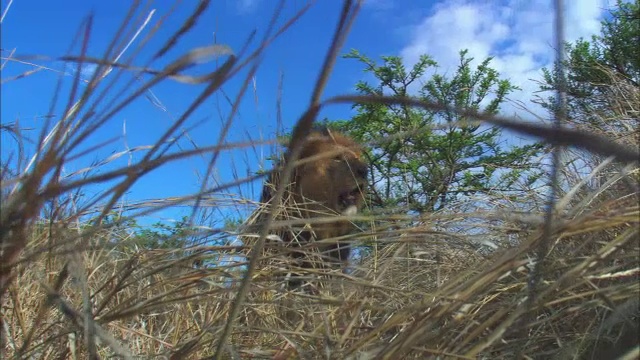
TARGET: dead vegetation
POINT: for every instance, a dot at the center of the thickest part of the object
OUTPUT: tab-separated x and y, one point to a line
74	285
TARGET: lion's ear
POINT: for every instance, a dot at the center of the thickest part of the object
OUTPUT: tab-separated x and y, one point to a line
267	192
321	129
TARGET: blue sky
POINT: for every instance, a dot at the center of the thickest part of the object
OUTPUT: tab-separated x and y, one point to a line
517	32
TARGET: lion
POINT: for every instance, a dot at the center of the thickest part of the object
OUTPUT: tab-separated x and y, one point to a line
330	180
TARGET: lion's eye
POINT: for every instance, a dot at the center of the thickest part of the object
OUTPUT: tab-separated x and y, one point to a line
338	158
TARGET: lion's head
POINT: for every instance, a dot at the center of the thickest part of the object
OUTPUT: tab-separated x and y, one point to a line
334	175
331	179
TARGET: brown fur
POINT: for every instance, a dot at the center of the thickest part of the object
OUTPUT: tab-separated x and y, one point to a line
331	181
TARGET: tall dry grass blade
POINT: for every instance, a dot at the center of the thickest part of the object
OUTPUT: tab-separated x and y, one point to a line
561	137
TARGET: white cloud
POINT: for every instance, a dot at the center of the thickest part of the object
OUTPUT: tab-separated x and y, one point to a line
517	33
247	6
86	71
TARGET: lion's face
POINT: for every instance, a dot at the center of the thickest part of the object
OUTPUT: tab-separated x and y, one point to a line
335	178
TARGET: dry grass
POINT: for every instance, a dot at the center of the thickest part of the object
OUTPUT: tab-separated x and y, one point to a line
78	288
